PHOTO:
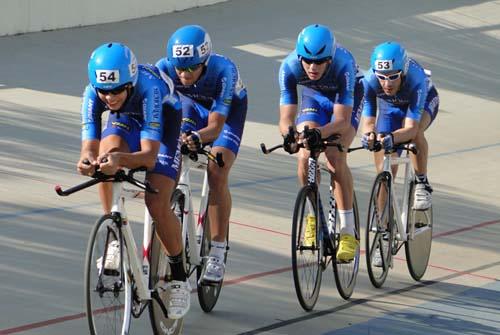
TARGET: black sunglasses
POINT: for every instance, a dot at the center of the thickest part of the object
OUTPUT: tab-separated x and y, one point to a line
315	61
189	69
114	91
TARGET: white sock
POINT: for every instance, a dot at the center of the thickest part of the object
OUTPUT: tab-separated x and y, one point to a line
217	250
346	221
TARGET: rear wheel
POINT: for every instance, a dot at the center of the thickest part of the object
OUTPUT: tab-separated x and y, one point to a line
378	232
346	273
418	249
108	293
159	274
208	293
306	257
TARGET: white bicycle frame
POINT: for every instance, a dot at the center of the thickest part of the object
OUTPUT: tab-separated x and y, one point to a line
192	229
401	213
140	270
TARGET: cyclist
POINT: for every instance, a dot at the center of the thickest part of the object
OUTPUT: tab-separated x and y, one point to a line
142	130
408	103
332	99
216	116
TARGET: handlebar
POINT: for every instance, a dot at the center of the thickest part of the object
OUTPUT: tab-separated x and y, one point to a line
99	177
193	155
326	142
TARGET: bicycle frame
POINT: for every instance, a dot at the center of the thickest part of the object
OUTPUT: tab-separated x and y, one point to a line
401	213
140	270
192	230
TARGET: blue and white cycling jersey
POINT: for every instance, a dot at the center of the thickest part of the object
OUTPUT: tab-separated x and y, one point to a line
337	83
219	87
146	106
409	101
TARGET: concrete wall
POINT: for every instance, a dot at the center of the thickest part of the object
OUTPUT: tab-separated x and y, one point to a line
22	16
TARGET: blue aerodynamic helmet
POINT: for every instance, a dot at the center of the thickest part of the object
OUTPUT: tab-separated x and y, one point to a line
389	57
189	45
112	65
316	42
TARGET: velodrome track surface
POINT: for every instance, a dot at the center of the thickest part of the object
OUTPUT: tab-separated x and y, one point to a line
43	237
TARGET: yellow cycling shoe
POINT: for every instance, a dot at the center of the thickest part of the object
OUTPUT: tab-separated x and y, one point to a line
310	233
347	248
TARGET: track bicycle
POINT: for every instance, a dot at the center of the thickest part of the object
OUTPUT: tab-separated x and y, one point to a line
392	222
309	261
112	296
196	233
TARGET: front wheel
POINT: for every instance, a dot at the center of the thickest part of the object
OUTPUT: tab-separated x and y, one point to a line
418	248
346	273
306	252
208	293
108	293
378	230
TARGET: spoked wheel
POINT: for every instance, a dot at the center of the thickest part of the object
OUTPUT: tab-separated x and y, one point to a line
159	273
208	293
380	218
346	273
306	254
418	249
108	293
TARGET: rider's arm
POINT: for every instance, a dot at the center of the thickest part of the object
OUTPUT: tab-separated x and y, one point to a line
369	113
287	117
288	98
215	124
413	114
145	157
342	110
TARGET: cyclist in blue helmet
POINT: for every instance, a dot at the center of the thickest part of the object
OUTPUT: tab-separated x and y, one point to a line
407	103
142	130
213	82
332	99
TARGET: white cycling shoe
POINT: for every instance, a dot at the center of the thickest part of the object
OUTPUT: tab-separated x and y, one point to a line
213	271
179	298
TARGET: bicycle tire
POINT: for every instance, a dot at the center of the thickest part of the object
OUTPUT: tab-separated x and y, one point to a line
346	273
159	272
108	298
208	293
418	250
306	273
378	225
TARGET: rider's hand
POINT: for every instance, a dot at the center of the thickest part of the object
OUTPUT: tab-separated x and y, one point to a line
368	140
109	163
290	144
193	141
87	164
387	141
312	137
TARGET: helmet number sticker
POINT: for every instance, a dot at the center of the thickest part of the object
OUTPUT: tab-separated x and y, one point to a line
180	51
204	49
383	65
108	76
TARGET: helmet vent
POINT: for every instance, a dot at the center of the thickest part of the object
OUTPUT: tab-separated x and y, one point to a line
321	50
110	45
307	50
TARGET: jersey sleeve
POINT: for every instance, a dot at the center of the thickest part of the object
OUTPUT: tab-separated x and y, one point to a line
417	101
288	85
92	109
346	79
370	105
152	105
226	84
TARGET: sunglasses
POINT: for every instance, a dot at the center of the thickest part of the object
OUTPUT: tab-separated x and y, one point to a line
114	91
391	77
315	61
189	69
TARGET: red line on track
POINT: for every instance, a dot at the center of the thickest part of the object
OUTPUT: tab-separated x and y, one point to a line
261	274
